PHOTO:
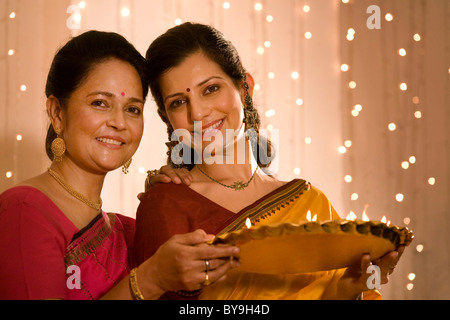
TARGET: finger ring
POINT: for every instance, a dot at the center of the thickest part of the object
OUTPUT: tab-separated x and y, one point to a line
152	173
207	266
207	282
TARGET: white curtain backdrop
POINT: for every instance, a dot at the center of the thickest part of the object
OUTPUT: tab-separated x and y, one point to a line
331	132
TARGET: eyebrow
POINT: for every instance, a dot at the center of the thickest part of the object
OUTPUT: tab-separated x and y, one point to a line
110	95
198	85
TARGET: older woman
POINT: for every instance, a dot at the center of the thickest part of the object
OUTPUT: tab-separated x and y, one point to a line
203	94
55	240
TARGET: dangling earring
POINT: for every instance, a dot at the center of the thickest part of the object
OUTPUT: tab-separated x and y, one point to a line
178	159
251	117
58	148
126	166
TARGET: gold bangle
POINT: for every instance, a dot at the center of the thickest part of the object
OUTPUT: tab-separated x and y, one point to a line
134	285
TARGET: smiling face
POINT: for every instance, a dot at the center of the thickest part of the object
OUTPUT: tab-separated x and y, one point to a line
103	122
199	90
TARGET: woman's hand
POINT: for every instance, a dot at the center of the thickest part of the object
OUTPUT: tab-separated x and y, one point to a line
165	175
354	280
180	264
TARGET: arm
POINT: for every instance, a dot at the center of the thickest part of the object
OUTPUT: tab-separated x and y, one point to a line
179	264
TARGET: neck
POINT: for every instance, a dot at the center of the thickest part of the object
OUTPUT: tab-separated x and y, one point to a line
236	162
86	183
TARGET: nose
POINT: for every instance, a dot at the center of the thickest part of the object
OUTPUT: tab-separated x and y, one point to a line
117	119
198	109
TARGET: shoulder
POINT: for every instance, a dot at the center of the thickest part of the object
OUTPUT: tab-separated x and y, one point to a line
166	191
30	206
22	195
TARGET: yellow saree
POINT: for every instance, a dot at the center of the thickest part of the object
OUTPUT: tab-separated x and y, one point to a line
290	204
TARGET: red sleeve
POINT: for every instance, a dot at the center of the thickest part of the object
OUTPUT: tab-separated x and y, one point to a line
128	224
32	246
160	215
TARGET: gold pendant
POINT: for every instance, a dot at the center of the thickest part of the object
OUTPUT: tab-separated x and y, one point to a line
239	185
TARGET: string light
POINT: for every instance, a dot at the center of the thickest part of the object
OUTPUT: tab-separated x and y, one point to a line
258	6
226	5
267	44
269	18
354	196
9	174
299	101
297	171
260	50
11	52
308	35
352	84
403	86
431	181
125	12
82	4
344	67
19	137
417	37
399	197
306	8
178	21
295	75
348	143
271	75
412	159
402	52
389	17
342	149
12	15
348	178
392	126
406	220
405	165
270	113
23	88
419	248
418	114
308	140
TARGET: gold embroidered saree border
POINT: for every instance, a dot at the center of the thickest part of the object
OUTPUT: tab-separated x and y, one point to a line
85	245
269	206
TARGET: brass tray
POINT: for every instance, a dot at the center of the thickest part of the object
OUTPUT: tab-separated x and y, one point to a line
288	248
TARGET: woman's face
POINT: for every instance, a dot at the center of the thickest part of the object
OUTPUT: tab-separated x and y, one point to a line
199	90
103	122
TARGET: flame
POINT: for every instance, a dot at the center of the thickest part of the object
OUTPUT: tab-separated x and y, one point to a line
248	223
308	215
365	217
383	219
314	218
351	216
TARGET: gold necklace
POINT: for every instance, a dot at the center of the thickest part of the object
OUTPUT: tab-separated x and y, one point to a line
74	193
237	186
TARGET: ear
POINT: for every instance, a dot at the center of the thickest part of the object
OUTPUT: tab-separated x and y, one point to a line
55	113
251	84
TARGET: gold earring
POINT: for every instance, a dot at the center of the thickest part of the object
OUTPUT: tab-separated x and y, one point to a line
58	148
126	166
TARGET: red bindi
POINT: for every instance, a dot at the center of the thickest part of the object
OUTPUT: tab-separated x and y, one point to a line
188	90
123	94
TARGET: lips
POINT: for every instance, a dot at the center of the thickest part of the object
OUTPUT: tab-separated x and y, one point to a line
111	141
211	129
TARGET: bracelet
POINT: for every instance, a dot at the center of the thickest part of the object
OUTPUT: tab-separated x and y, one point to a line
134	285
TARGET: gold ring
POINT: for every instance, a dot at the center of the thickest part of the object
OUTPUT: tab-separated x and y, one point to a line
207	266
207	282
152	173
